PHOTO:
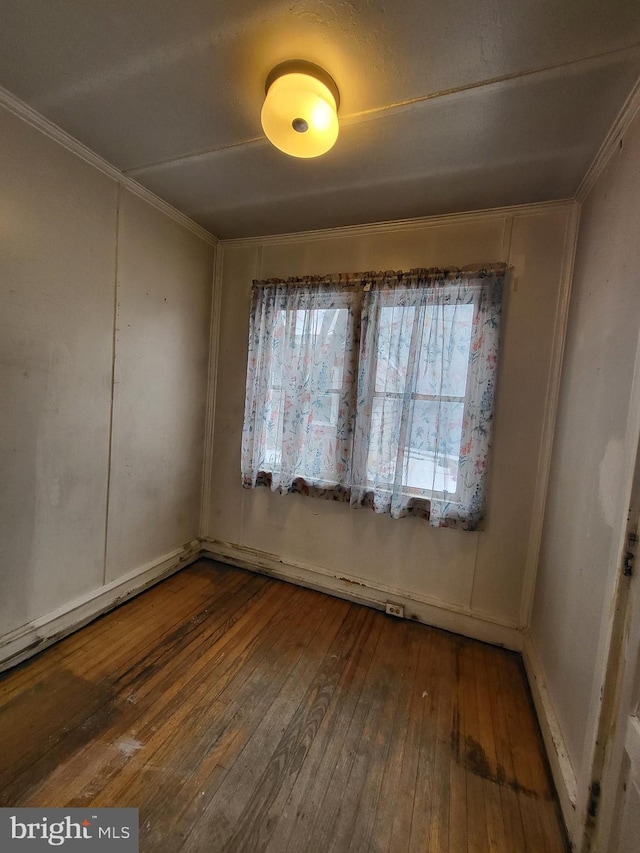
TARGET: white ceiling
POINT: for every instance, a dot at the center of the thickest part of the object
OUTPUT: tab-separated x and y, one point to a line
446	105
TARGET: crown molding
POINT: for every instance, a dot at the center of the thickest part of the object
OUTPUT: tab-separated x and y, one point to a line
401	224
35	119
610	144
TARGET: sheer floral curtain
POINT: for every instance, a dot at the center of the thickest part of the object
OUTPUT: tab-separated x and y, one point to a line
377	389
426	384
301	369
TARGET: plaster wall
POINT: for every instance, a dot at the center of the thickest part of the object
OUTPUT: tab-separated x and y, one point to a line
104	334
163	316
479	573
593	458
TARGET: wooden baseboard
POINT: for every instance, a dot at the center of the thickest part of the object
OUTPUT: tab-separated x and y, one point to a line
564	776
35	636
363	591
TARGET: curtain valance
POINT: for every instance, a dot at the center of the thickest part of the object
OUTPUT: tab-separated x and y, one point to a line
389	277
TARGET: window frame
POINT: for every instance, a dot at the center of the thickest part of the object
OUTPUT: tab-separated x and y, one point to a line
466	431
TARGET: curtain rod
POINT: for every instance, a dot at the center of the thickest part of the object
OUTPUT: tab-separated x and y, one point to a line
364	278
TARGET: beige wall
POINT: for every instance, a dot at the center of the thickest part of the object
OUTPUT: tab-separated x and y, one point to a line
161	366
479	573
592	460
72	243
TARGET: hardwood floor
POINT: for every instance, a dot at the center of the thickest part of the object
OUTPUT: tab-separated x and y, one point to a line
240	713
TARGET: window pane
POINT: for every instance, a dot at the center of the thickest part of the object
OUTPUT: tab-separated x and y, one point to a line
272	430
394	339
383	447
423	436
444	350
319	344
431	454
443	341
325	410
276	344
303	401
433	451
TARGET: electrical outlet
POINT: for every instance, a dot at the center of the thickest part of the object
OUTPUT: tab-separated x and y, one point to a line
395	609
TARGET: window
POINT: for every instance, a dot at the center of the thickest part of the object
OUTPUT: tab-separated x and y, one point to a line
314	350
432	406
378	391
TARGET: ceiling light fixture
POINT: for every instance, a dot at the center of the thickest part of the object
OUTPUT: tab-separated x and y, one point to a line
300	111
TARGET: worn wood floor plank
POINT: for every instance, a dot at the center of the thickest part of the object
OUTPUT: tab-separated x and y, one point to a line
406	798
520	743
240	713
313	733
227	812
445	704
505	772
379	745
474	756
229	656
496	835
320	830
458	812
352	784
117	718
294	829
389	801
221	745
175	600
430	789
256	823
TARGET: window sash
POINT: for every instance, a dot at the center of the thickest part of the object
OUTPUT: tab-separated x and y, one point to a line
420	301
405	452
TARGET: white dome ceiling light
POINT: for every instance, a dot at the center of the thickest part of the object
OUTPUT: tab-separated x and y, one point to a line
300	111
